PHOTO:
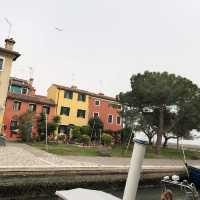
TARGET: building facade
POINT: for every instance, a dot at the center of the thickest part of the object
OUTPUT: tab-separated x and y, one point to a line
107	109
71	105
21	98
76	107
7	56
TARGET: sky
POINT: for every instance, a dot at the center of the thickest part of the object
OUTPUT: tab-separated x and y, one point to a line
103	42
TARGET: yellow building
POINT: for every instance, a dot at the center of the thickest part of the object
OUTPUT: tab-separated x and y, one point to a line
7	56
71	105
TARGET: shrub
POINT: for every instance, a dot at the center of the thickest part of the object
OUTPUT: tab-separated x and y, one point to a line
85	130
108	131
61	137
85	139
106	139
76	134
25	126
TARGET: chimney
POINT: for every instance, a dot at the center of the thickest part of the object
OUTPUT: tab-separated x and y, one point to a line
31	81
9	43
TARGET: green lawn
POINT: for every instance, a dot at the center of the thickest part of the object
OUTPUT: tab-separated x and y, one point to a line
68	149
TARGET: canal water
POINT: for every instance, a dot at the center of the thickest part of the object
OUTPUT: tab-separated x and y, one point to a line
150	193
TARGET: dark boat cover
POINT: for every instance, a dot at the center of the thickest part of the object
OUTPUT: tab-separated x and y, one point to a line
194	175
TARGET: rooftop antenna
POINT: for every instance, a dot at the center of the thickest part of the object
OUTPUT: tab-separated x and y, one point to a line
73	79
100	86
31	71
9	26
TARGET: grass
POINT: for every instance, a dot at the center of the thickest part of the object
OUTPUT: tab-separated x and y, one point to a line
116	151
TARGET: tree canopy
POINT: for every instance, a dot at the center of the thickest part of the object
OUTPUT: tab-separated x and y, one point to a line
163	102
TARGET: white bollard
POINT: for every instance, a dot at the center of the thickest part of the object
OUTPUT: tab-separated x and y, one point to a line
135	169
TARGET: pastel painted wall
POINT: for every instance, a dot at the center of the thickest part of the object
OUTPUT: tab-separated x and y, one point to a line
10	114
105	109
58	96
4	80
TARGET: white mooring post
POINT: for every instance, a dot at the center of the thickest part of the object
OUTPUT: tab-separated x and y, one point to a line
135	169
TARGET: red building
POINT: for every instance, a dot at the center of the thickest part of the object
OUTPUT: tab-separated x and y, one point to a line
107	109
22	98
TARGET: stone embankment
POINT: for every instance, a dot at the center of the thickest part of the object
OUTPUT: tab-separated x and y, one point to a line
24	166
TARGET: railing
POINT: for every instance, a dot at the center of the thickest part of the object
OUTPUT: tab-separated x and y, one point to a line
189	189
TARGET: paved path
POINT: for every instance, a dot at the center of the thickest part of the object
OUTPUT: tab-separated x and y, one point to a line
17	155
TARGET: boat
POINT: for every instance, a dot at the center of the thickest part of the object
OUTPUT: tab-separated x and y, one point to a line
188	188
193	175
133	180
81	193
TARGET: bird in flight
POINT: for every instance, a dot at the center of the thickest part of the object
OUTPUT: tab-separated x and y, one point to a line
58	29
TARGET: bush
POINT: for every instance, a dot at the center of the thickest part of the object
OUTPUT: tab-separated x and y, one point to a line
85	139
76	134
61	137
109	131
85	130
25	126
106	139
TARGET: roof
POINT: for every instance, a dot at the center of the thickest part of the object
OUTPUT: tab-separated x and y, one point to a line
20	82
33	99
73	89
13	53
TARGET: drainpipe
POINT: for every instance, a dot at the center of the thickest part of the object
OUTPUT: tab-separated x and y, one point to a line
58	97
135	169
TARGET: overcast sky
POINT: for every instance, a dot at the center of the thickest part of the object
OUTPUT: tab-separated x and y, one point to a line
103	42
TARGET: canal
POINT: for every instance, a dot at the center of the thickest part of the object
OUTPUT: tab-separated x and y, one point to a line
148	193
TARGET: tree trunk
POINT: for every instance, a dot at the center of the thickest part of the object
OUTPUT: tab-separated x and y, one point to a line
177	143
160	131
165	142
150	140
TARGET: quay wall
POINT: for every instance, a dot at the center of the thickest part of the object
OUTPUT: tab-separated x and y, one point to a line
19	181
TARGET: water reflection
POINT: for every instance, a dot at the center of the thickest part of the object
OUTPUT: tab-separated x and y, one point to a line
151	193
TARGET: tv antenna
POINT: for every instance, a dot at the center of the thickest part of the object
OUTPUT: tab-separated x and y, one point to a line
100	85
9	26
73	79
31	71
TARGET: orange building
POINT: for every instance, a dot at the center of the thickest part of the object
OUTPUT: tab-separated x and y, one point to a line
107	109
22	98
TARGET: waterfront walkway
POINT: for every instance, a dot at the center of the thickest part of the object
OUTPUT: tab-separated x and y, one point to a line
17	156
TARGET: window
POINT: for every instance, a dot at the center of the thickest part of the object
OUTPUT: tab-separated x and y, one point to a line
18	89
63	129
110	119
13	125
65	111
97	102
46	109
24	90
16	105
68	94
81	97
1	64
96	114
32	108
118	120
119	107
81	113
